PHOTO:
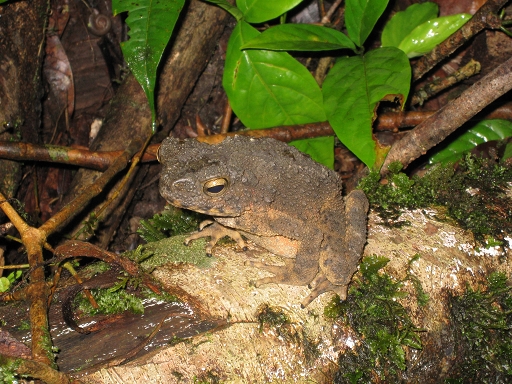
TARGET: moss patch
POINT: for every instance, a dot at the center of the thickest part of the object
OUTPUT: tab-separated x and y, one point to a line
473	194
482	320
172	221
373	310
171	250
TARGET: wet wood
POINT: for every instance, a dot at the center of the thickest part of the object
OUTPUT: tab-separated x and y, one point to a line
244	353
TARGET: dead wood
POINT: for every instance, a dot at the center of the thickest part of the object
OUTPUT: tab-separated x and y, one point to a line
445	121
424	93
36	370
485	17
20	86
129	115
248	352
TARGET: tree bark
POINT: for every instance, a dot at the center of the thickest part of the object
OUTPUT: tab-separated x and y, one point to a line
243	351
129	115
22	49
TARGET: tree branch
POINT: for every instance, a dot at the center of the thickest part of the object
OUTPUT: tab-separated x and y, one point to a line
445	121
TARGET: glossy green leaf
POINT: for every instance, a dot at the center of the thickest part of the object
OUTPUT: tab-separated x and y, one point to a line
428	35
482	132
321	149
300	37
228	7
151	24
267	88
4	284
353	89
258	11
403	23
361	16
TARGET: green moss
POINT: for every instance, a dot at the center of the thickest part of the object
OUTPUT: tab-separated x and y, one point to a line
126	295
373	310
109	302
93	269
482	320
24	325
8	368
276	319
421	296
171	250
172	221
473	193
271	317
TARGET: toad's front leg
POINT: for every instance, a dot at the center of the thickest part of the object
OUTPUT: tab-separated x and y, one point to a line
216	232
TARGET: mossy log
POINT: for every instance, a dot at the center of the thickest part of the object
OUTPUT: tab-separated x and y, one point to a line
305	345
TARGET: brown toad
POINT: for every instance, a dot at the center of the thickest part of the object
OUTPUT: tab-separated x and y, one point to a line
275	196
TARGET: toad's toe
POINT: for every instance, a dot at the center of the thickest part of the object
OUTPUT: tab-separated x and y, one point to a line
321	285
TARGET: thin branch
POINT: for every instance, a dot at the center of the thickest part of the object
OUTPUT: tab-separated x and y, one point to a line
470	69
435	129
70	210
35	370
485	17
388	121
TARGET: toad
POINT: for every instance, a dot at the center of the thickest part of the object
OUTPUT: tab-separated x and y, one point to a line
275	196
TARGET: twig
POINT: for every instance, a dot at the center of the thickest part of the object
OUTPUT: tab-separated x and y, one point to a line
34	239
388	121
433	130
485	17
327	18
470	69
70	210
226	118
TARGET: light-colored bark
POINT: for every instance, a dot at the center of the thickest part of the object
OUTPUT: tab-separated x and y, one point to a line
240	353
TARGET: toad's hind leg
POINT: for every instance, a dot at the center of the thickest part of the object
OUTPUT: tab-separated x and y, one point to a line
290	273
339	265
321	285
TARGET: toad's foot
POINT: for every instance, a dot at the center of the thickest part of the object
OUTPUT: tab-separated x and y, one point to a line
284	274
216	232
321	285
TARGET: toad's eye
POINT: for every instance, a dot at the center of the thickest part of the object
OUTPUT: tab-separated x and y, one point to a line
215	187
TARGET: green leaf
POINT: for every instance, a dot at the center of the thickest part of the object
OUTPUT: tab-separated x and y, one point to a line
14	275
258	11
267	88
354	87
403	23
361	16
225	5
321	149
151	24
4	284
482	132
300	37
431	33
507	153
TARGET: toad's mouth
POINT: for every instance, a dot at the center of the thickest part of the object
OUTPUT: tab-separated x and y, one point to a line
211	211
